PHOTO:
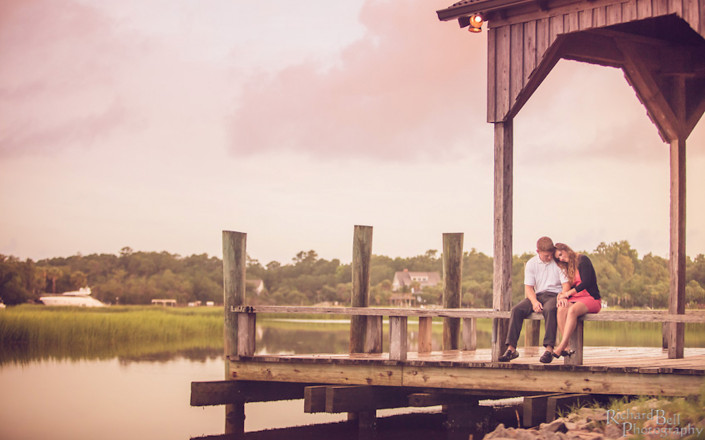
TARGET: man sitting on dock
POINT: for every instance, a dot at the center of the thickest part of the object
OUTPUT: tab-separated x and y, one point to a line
543	281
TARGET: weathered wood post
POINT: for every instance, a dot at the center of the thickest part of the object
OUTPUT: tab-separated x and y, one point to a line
425	340
452	279
576	343
676	303
503	184
234	263
362	254
469	334
533	332
398	345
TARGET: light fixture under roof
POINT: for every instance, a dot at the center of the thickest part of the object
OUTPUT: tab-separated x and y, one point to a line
476	21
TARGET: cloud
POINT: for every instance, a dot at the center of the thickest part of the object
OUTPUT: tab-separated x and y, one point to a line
82	130
56	79
403	91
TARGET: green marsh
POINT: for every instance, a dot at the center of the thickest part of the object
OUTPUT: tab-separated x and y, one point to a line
30	333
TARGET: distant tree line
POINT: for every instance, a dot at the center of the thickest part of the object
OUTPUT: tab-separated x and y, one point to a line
138	277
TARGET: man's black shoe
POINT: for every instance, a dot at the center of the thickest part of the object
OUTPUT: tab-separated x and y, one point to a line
508	356
546	357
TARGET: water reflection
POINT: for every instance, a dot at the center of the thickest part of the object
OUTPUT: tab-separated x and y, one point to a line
294	337
144	392
196	354
106	399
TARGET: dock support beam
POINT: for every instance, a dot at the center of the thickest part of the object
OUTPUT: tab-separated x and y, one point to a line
676	303
469	334
362	253
452	278
425	334
234	263
503	189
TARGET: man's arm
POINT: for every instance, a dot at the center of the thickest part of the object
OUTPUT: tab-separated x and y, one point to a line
530	293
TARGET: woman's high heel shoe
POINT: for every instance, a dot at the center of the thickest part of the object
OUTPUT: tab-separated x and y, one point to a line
564	353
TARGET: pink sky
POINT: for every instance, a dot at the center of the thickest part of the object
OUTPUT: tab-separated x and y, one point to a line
158	124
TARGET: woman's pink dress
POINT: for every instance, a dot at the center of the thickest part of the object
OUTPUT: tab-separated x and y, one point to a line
593	305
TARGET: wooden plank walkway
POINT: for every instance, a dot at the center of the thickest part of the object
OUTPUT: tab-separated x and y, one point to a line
607	370
626	357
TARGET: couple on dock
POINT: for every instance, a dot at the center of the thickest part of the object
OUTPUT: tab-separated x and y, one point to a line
562	285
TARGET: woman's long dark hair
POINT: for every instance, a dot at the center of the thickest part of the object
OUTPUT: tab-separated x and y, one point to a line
571	266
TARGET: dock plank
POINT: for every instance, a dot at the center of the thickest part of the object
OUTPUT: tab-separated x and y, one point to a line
607	370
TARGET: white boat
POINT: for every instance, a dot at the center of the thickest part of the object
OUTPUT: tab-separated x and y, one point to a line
77	298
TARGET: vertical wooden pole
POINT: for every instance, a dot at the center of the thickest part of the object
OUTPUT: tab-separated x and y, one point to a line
469	334
676	300
398	342
246	333
373	336
425	332
576	343
234	263
362	254
676	303
452	279
503	183
533	332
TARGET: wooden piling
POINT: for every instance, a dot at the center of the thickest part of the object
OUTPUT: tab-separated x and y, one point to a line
373	335
425	333
234	263
452	278
246	334
469	334
576	343
532	333
676	302
503	190
362	254
398	345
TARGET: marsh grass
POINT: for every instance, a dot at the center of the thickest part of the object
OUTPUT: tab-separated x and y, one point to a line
30	332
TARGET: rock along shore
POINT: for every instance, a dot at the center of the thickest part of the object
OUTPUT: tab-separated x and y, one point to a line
646	421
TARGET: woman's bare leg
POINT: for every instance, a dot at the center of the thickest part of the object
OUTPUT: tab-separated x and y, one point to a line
561	314
575	310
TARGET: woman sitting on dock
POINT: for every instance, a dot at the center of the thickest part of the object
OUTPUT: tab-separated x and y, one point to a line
583	297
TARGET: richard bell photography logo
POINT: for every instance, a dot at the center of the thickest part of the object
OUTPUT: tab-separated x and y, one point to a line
653	422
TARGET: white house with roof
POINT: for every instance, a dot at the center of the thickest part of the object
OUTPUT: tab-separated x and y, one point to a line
413	279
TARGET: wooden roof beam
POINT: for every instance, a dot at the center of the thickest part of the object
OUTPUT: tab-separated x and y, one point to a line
592	48
698	109
649	90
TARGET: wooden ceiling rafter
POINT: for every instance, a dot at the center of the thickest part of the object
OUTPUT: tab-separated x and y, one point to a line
650	91
642	60
593	48
698	108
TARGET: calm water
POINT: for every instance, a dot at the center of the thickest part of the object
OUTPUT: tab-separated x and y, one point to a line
148	398
64	400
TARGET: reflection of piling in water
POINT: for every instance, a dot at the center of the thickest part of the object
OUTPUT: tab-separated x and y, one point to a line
416	426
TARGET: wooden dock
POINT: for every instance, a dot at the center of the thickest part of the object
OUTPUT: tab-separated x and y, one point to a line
607	370
366	379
